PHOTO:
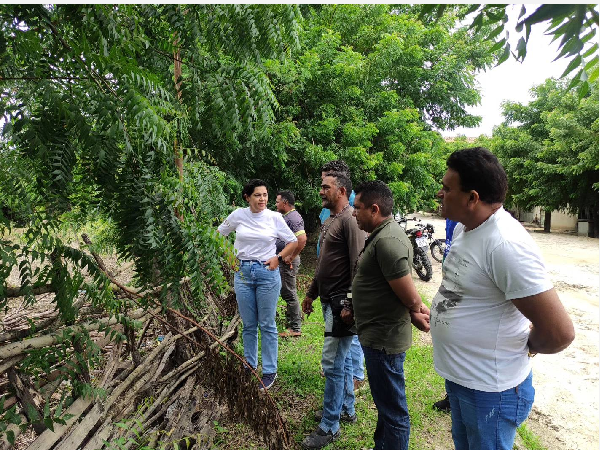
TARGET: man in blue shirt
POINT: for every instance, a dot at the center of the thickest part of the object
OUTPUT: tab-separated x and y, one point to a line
450	224
356	352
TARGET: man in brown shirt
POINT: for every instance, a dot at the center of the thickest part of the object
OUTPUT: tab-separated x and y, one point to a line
340	242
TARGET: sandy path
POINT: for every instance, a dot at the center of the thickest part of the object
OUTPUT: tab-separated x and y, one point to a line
565	415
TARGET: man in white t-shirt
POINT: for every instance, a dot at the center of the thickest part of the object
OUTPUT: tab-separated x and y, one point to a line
495	308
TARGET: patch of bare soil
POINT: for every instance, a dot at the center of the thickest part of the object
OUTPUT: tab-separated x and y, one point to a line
566	409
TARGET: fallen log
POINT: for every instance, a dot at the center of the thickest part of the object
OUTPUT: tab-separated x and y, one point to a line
18	291
15	430
16	348
48	438
10	362
29	398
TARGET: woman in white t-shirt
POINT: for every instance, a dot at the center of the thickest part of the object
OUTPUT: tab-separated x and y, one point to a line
257	282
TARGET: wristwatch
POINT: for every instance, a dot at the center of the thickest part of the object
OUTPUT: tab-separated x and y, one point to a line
279	258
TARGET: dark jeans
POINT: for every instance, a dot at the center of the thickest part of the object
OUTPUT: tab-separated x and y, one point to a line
289	293
386	380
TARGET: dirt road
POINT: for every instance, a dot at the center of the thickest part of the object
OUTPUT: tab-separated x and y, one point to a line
566	409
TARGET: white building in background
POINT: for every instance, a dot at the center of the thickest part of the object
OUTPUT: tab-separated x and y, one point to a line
560	220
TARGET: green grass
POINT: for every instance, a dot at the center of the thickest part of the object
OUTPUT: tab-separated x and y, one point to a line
299	379
299	392
529	439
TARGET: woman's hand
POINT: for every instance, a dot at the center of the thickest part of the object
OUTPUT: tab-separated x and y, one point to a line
272	263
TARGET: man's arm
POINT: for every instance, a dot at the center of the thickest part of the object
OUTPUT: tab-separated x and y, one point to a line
405	290
552	329
299	248
355	239
311	295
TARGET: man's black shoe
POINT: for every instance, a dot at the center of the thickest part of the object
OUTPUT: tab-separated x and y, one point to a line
442	405
319	439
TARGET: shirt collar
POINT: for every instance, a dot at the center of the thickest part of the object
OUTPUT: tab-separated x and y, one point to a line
377	230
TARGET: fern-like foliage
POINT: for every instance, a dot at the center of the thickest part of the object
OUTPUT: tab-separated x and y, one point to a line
93	119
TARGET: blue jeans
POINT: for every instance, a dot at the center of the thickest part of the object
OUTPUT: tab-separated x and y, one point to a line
488	420
257	292
337	367
358	359
386	380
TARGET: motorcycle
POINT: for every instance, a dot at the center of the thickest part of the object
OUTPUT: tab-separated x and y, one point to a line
421	262
437	247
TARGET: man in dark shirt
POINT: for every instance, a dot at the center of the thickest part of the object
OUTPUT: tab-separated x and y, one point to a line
356	354
384	302
340	243
285	205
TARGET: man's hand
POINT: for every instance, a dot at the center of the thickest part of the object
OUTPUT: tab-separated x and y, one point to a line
307	305
272	263
423	309
552	329
347	315
420	319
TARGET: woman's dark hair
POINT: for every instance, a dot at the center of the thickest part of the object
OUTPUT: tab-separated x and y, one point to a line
376	192
287	196
251	185
480	170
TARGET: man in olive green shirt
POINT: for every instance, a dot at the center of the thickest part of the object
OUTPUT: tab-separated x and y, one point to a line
384	303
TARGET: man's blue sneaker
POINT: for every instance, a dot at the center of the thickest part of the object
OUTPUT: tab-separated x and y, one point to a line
267	379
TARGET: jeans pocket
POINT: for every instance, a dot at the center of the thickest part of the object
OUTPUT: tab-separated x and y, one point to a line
523	410
526	395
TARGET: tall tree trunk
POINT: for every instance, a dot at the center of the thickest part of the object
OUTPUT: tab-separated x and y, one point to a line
177	145
547	220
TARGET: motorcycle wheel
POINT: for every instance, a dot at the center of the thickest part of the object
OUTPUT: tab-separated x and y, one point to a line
422	265
437	250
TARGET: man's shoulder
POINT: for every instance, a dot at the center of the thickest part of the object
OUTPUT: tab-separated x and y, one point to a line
392	231
507	229
294	215
348	219
294	220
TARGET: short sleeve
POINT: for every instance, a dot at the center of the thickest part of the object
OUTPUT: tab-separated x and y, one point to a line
296	224
518	270
392	256
229	224
283	231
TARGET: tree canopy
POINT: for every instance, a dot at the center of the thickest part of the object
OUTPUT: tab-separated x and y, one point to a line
369	85
576	25
549	148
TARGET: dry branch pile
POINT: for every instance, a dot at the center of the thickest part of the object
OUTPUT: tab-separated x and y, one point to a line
138	392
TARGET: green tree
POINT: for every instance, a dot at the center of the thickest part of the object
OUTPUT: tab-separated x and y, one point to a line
549	148
575	25
91	89
98	104
369	85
